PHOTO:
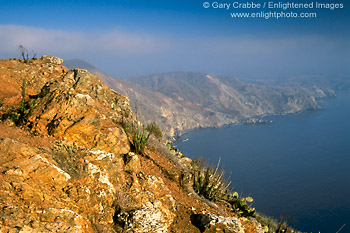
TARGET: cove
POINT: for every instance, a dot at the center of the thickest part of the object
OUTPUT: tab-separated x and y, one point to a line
298	166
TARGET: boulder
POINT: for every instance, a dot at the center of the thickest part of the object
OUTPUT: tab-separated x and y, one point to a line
52	59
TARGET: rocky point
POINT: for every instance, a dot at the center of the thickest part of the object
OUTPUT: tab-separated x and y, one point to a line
67	164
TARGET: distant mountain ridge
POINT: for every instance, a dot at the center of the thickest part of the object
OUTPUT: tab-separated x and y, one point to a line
78	63
186	100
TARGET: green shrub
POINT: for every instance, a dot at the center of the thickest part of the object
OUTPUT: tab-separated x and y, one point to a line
240	205
209	182
139	140
126	126
174	150
19	114
273	226
212	185
140	134
153	128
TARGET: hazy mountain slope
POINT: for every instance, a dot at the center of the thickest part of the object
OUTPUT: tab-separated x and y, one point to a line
187	100
227	97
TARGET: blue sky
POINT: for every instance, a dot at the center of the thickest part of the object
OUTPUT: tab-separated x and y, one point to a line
127	38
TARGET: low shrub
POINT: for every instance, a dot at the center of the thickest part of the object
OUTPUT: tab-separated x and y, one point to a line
140	140
240	205
212	185
209	182
153	129
140	134
273	226
19	114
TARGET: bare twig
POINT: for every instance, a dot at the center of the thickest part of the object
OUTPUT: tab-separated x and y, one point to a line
341	228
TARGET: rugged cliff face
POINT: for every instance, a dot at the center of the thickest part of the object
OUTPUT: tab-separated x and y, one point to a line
186	100
194	100
67	164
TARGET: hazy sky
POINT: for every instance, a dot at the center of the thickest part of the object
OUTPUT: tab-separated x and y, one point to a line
135	37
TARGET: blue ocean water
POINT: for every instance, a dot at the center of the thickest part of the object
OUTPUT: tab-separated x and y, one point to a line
298	166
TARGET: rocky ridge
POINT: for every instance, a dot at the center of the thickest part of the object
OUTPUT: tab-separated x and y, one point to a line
67	164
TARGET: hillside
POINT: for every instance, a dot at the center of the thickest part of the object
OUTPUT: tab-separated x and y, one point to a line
185	100
69	162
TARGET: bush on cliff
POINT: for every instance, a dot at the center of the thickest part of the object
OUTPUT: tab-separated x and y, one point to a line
18	115
140	134
212	185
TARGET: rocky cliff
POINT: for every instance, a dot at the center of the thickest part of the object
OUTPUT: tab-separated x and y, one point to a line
197	100
67	164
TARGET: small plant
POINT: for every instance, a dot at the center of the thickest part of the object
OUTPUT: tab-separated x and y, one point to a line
283	225
174	150
212	185
24	53
141	135
273	226
125	123
127	127
140	140
241	205
209	182
25	108
154	129
71	148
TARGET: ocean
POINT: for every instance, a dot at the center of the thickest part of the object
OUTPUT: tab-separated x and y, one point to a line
297	166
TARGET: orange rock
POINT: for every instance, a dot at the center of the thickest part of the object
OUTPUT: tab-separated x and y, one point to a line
88	180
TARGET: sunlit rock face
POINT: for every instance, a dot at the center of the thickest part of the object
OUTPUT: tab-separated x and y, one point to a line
67	164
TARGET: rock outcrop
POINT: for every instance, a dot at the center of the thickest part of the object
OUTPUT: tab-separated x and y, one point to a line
88	112
67	164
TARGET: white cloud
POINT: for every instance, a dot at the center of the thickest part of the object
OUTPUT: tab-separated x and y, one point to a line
123	53
66	42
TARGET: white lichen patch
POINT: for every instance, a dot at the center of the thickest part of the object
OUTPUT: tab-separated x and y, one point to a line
85	189
147	220
101	193
83	96
102	155
102	176
86	98
92	169
232	223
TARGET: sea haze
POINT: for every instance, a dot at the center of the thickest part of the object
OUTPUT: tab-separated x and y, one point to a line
297	166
